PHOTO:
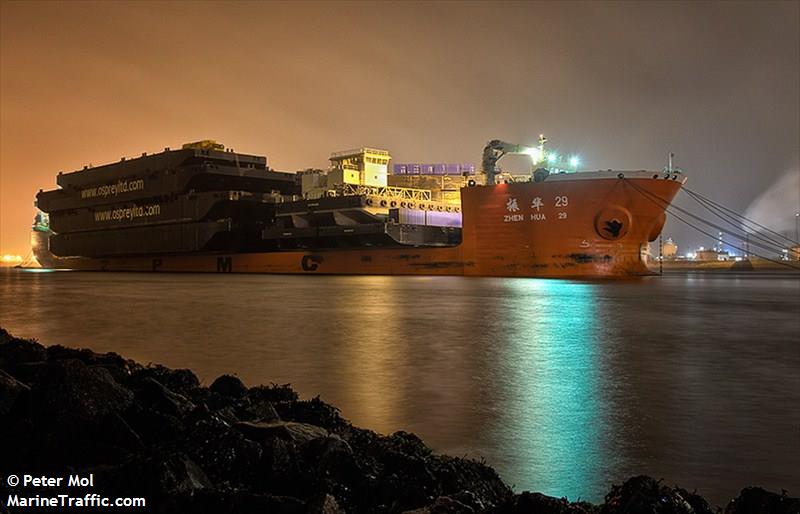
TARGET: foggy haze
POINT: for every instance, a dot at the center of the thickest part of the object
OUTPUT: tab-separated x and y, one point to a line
778	205
622	84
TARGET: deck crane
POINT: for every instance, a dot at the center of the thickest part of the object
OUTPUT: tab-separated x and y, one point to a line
495	149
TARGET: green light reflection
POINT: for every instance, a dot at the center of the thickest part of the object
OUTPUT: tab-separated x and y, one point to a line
548	361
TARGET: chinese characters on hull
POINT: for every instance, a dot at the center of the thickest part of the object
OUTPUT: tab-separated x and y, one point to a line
536	205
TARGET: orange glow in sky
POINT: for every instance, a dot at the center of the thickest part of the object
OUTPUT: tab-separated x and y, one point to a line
623	84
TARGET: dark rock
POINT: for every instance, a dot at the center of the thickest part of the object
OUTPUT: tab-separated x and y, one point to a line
153	394
296	432
331	467
401	465
118	432
118	367
469	499
88	357
257	410
314	412
329	454
755	500
273	393
10	390
70	392
154	477
29	372
180	474
528	502
455	475
15	351
325	504
443	505
405	443
232	502
698	503
223	453
181	381
226	415
643	494
282	467
215	401
44	441
228	385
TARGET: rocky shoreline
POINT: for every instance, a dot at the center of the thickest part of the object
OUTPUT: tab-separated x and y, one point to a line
153	432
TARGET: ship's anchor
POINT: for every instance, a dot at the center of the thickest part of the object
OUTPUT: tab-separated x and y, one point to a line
613	222
613	227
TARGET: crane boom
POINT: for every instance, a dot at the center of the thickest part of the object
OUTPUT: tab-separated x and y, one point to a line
495	149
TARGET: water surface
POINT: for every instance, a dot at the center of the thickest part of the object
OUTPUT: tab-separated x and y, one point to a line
564	387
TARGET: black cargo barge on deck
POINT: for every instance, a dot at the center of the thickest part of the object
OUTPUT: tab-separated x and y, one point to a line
199	198
204	198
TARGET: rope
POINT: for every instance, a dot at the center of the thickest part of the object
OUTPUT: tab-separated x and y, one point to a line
28	261
745	218
734	221
666	206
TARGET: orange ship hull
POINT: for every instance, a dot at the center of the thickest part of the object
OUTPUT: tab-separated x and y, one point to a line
592	224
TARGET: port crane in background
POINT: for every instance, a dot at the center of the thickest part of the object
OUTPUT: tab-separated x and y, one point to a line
496	149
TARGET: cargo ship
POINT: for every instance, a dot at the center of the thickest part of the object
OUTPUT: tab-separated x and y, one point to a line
207	208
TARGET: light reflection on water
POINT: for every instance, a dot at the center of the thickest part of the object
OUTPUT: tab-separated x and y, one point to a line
564	387
549	372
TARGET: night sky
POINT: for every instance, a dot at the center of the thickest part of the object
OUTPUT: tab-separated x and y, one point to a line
622	84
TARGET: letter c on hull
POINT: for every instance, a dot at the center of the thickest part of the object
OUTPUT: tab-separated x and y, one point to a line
310	262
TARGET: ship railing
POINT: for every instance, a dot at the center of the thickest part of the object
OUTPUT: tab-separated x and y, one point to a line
401	193
358	151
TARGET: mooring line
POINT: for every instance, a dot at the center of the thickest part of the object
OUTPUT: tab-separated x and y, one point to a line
667	206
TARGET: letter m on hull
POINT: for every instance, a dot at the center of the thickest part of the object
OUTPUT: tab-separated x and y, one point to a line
224	264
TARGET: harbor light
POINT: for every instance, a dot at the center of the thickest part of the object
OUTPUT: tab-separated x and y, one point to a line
574	161
535	153
552	157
